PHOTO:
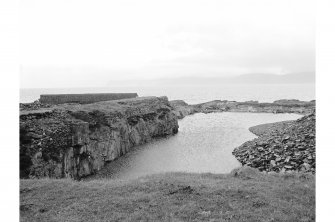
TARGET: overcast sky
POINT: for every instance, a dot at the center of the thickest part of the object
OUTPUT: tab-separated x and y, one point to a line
80	43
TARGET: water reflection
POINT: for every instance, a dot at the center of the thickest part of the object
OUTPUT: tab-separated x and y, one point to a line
204	143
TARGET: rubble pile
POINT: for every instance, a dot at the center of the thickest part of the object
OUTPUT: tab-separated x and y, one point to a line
288	146
34	105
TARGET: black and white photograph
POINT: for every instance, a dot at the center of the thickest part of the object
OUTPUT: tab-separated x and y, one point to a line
152	110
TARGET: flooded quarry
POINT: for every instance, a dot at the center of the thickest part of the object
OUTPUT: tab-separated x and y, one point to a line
203	144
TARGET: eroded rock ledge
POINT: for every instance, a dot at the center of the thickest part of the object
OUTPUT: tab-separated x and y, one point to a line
183	109
73	140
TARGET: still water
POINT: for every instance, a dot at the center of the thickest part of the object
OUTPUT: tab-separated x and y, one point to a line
204	143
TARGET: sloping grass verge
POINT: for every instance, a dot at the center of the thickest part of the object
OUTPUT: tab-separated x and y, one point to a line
243	195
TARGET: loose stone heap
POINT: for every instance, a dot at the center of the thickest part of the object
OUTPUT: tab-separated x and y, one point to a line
73	140
280	147
34	105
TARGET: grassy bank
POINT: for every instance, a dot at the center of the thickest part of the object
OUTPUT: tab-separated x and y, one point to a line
243	195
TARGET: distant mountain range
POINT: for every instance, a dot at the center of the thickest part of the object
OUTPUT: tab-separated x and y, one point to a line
255	78
303	77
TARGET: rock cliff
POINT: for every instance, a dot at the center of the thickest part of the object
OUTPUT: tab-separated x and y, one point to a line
73	140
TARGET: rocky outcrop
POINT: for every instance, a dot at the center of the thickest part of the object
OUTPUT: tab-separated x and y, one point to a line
183	109
73	140
280	147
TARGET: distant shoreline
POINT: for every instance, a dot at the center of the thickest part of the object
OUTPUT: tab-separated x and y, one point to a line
183	109
192	94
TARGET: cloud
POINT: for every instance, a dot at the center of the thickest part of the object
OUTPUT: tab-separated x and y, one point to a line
80	43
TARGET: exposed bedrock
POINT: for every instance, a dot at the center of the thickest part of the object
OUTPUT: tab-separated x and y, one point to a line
183	109
73	140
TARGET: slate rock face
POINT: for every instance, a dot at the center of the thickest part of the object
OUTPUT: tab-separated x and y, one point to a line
280	147
74	140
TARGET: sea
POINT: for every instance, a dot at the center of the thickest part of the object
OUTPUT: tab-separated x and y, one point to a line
194	94
205	142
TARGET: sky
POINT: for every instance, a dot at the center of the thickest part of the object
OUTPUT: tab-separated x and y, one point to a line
82	43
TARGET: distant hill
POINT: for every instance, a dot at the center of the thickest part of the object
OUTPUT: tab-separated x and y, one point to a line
305	77
254	78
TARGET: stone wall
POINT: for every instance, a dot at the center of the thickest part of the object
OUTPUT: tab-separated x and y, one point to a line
77	140
84	98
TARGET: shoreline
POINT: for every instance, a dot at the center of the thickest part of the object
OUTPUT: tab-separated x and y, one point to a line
81	119
182	109
261	129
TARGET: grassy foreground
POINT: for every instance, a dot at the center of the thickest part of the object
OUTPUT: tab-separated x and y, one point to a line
243	195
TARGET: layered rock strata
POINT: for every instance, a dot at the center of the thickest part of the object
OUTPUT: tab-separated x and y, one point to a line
280	147
73	140
183	109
